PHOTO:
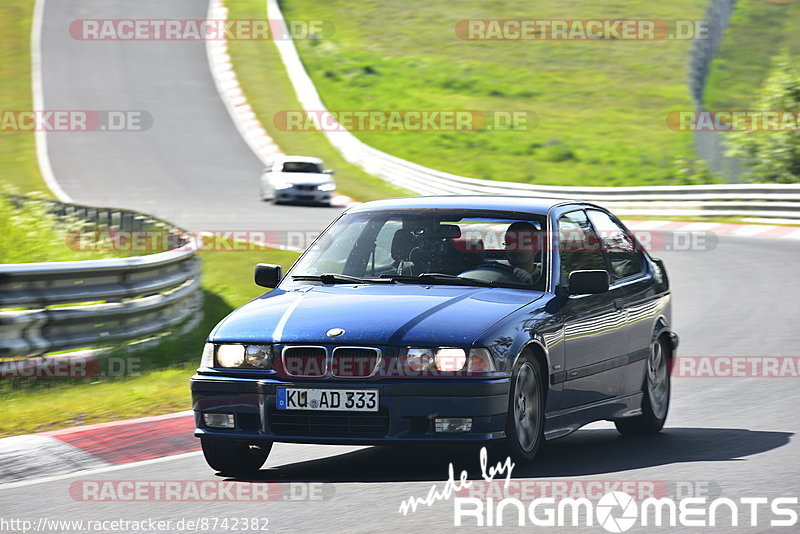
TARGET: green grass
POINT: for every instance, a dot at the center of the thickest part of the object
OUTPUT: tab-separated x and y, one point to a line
601	105
759	30
31	234
155	393
166	366
18	165
268	89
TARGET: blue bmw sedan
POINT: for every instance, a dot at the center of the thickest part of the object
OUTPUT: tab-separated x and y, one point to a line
462	319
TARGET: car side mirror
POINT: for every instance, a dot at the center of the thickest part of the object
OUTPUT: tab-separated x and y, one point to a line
588	282
327	171
268	275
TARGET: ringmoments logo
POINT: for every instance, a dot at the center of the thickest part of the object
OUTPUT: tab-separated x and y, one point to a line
618	511
615	510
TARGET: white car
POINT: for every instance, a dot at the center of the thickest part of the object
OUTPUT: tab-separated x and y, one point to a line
297	179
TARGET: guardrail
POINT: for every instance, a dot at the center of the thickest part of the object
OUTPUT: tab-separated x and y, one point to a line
59	306
754	200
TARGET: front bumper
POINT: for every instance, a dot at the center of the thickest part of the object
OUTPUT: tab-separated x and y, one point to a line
297	194
407	410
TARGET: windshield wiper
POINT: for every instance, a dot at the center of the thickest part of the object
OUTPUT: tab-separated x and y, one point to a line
442	278
333	278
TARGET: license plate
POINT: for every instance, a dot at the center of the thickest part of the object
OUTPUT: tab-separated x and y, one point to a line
348	400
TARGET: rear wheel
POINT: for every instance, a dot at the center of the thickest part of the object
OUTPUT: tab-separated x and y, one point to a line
656	394
525	418
235	457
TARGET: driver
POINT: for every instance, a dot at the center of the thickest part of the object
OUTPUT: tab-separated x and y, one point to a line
522	242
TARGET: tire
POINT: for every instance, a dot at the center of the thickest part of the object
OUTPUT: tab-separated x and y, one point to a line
229	456
655	394
525	417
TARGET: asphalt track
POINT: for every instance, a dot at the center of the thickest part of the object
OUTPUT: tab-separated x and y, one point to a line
192	166
734	436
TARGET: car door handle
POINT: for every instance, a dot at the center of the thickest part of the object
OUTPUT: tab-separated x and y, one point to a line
619	304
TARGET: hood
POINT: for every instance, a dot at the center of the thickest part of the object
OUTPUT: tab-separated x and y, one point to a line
302	177
372	314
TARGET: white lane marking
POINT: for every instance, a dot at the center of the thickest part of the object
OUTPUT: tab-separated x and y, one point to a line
646	225
698	226
748	231
40	137
88	472
737	230
793	235
764	220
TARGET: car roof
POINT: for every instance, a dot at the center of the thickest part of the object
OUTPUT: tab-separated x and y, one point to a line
536	206
299	159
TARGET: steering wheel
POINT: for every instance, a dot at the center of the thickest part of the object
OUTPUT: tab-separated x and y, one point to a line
495	272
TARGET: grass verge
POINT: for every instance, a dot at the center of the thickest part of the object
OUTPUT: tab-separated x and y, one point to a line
18	164
601	104
163	386
268	89
31	234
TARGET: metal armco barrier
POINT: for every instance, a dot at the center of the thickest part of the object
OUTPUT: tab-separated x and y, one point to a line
57	306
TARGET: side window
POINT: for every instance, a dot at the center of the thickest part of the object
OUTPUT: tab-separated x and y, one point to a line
578	245
625	259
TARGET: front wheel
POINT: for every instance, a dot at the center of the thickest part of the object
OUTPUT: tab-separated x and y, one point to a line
235	457
525	418
655	393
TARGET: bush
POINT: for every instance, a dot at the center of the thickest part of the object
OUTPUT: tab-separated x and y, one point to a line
772	156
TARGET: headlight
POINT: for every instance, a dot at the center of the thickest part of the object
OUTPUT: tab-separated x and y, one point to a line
419	359
207	360
480	361
282	185
448	359
230	355
327	187
258	356
238	356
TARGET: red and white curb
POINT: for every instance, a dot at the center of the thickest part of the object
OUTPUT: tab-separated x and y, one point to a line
736	230
232	95
99	445
242	114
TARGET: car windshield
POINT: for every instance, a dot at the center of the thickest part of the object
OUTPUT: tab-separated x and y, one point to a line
301	166
430	246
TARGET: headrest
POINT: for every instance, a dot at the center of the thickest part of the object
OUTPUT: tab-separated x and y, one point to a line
402	243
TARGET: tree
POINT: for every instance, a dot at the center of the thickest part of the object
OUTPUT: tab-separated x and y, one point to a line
773	155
